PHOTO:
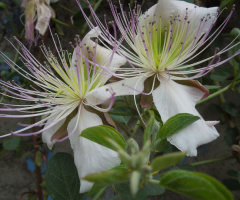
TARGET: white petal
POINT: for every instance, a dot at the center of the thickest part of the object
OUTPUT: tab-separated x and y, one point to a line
170	99
47	135
169	8
120	88
103	55
212	123
89	156
44	15
148	14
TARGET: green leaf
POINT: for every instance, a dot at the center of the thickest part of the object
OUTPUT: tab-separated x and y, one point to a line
11	144
232	184
102	135
160	144
115	175
152	128
122	113
168	160
230	135
176	123
61	178
221	74
226	3
232	173
2	6
194	185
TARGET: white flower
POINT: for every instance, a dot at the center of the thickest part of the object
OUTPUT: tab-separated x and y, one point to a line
162	41
61	94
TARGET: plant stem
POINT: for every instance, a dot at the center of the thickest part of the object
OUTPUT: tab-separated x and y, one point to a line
211	161
219	92
60	22
67	9
11	22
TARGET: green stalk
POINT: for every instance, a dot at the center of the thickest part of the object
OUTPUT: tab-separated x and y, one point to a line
60	22
211	161
219	92
11	22
67	9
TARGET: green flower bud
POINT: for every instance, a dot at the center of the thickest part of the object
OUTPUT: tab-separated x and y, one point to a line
132	146
134	182
3	73
234	33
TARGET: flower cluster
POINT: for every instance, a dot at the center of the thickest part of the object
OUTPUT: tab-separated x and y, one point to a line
69	92
162	41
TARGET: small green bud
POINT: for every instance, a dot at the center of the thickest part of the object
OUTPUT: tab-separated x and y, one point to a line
132	146
2	6
38	159
3	73
134	182
147	169
234	33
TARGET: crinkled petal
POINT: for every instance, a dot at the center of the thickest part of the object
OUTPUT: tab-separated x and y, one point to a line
89	157
47	135
103	56
44	15
120	88
171	8
167	8
172	98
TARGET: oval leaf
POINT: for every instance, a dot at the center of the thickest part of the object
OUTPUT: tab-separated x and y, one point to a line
168	160
176	123
61	178
195	185
11	144
102	135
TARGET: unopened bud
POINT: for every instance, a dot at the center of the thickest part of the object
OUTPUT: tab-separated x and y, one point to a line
147	169
132	146
134	182
235	32
3	73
